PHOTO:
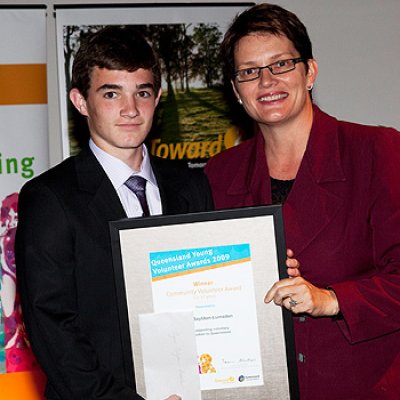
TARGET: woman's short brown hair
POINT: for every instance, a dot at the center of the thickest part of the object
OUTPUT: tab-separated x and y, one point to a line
264	18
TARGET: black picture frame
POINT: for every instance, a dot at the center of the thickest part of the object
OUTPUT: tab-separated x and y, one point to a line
138	232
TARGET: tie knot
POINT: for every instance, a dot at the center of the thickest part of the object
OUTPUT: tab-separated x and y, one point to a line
136	183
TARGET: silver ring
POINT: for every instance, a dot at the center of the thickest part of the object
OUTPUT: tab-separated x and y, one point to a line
292	303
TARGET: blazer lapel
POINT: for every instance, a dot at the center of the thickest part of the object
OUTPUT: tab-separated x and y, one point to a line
170	182
104	202
251	185
312	204
311	196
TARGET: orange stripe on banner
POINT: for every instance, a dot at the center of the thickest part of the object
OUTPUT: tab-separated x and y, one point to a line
23	84
22	385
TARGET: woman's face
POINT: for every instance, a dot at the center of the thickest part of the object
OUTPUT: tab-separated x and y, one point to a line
272	99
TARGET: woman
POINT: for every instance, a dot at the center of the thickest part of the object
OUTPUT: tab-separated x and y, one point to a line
340	188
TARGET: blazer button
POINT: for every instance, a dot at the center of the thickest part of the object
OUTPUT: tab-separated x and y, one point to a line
302	319
301	357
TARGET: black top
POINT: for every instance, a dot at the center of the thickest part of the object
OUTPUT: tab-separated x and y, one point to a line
280	190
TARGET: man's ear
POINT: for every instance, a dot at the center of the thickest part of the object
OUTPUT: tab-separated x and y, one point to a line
158	97
78	101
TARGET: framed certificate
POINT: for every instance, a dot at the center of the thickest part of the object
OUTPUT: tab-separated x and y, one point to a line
216	266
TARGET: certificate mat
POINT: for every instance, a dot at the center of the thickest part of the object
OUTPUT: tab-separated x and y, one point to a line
219	264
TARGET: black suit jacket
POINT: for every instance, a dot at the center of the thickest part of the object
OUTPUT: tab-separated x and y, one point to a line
65	274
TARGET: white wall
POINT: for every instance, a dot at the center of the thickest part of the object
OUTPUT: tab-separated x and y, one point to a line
356	43
357	46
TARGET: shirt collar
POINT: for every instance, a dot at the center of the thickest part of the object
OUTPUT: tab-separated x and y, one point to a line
117	171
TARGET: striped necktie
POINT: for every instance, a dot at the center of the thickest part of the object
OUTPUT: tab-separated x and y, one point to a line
137	184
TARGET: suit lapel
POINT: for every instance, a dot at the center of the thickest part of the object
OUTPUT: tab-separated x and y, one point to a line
309	208
251	183
170	184
313	203
162	184
104	202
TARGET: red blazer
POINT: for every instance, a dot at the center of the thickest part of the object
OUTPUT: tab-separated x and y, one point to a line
342	219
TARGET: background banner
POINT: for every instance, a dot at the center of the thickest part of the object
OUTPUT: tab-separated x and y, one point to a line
194	121
23	154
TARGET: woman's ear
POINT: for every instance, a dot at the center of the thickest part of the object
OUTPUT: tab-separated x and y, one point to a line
236	92
311	73
78	101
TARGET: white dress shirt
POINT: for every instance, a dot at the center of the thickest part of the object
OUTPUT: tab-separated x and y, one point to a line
118	172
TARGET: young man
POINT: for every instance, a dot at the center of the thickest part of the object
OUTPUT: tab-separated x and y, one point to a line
63	246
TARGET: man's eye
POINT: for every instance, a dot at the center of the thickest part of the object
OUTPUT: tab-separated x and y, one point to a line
144	94
110	95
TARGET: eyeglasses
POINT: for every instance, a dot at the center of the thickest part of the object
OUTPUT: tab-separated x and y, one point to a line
276	68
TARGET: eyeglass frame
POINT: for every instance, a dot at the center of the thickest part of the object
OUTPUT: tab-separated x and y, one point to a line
269	67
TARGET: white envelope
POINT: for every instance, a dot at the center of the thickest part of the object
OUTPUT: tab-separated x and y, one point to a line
169	355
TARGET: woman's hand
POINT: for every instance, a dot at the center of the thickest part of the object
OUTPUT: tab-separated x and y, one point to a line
292	264
300	296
